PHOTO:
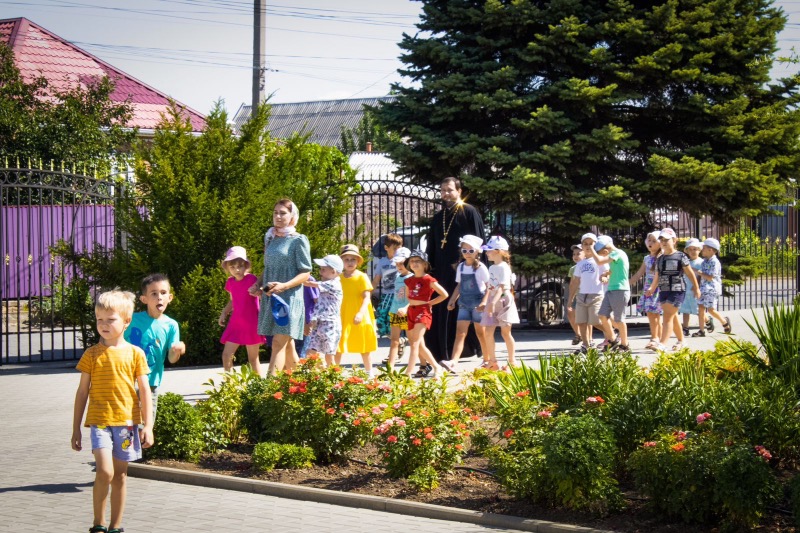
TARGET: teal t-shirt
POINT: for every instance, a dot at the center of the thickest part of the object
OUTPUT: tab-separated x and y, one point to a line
155	337
618	271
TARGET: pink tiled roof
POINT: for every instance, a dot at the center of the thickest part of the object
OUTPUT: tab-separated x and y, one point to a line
40	53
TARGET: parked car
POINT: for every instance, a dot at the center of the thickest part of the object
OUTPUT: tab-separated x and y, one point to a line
414	237
540	299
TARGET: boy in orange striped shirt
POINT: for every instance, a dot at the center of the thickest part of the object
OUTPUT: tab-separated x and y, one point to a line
108	373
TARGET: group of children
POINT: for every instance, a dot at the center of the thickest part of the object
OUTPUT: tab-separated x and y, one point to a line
675	282
342	318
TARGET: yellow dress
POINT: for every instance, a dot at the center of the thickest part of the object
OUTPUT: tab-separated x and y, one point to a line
356	338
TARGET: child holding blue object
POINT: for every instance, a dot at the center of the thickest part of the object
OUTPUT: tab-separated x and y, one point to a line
154	332
325	321
472	278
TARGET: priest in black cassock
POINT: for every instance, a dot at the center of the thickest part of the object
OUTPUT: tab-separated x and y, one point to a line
454	220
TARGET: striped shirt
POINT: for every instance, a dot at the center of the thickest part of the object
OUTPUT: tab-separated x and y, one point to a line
112	397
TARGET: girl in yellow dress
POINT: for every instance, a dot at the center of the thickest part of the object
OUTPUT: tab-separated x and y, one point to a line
358	317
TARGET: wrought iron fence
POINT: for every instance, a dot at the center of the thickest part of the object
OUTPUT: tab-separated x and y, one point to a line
40	208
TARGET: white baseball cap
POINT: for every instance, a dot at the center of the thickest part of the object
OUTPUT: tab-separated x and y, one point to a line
589	236
495	243
401	254
692	243
333	261
667	233
473	240
712	243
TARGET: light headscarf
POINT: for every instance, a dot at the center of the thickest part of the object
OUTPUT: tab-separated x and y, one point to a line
291	229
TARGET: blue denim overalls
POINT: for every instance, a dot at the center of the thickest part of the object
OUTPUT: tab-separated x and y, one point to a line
470	296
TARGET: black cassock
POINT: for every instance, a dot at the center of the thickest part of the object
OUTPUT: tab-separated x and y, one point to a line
467	221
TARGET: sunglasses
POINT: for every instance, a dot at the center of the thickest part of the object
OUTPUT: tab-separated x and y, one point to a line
469	252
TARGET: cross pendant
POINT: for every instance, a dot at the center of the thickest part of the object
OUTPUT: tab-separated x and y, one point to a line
444	241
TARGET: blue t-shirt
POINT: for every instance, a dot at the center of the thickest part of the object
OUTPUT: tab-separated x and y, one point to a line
400	292
155	337
711	267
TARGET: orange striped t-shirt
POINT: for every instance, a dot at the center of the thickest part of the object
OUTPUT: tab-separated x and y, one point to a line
112	396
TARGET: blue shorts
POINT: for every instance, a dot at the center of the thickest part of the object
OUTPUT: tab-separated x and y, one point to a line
708	299
123	441
674	298
470	314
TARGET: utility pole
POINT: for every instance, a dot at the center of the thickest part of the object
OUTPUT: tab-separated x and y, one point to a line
259	54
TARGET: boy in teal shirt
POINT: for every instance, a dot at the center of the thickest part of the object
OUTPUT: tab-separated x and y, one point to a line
618	292
154	332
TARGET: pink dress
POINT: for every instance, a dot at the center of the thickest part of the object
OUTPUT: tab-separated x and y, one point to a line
243	323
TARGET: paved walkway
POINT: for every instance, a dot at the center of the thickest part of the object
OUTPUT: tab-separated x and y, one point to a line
45	486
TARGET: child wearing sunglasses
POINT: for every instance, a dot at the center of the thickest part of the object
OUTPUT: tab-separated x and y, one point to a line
472	278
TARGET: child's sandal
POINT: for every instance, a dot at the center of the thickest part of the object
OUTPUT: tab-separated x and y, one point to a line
98	529
726	327
117	530
700	333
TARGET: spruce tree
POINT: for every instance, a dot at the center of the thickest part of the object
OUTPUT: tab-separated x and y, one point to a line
583	112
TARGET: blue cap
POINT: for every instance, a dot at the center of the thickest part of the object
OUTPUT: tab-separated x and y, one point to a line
602	242
280	310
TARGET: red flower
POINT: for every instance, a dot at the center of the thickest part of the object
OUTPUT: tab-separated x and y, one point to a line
409	414
330	410
341	404
475	417
544	414
294	389
459	447
650	444
763	452
595	399
429	436
679	435
357	422
678	447
522	394
467	410
507	433
391	438
427	430
288	371
416	442
278	395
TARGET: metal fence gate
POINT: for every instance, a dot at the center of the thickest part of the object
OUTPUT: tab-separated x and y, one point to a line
40	209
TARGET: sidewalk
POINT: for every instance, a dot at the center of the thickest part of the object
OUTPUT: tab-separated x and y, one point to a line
46	486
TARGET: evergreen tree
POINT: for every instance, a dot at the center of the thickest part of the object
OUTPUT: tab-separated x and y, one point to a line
583	112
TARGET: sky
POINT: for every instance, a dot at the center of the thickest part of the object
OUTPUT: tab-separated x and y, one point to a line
200	51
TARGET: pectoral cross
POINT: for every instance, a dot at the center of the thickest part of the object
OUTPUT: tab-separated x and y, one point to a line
444	241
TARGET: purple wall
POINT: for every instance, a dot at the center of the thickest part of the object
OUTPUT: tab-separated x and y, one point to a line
27	234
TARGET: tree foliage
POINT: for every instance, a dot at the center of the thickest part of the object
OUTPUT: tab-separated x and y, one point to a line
196	196
368	130
81	125
588	112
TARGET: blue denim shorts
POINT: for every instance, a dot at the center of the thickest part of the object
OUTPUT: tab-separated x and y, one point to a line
469	314
674	298
123	441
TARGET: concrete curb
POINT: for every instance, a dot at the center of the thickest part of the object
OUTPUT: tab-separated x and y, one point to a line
347	499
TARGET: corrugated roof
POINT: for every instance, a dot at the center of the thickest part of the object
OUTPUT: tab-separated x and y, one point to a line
38	52
373	166
322	118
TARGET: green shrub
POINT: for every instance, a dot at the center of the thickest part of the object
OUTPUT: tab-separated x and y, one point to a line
566	461
424	478
269	455
294	457
266	455
178	430
704	477
221	411
575	378
313	407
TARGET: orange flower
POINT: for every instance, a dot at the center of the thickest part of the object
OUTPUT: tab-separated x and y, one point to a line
507	433
429	436
416	442
278	395
678	447
330	410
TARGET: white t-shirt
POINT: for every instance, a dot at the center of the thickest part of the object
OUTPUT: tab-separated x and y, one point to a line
500	276
589	273
481	275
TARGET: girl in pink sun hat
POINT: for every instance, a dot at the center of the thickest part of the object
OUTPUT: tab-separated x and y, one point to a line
241	313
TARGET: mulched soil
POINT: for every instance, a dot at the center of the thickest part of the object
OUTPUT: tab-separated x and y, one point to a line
465	488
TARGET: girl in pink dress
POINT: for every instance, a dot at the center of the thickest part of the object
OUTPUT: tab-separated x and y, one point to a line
241	312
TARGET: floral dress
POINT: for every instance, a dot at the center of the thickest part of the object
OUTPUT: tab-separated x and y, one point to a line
649	304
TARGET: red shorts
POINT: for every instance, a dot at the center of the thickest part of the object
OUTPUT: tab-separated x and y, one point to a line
419	314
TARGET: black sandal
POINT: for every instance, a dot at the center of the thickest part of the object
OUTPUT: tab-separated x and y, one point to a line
423	371
726	327
117	530
98	529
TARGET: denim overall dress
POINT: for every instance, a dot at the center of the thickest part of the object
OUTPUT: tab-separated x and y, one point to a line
469	298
